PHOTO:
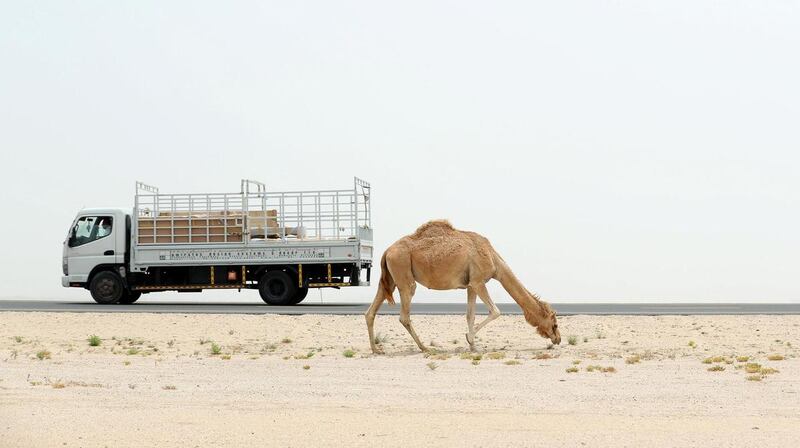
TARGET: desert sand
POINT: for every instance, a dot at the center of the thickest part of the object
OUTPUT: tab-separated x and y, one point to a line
286	381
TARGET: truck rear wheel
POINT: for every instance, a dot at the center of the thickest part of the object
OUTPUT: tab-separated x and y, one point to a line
106	288
277	288
300	295
130	297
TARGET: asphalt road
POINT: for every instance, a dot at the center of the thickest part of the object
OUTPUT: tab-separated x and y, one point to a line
417	308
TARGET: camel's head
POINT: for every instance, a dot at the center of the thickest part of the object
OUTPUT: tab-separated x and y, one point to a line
546	326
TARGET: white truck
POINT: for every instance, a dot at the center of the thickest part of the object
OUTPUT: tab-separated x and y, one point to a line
281	243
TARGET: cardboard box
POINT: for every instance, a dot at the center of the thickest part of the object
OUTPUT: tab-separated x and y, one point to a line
203	227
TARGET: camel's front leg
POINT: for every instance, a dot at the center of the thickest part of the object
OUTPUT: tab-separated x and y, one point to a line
471	318
405	314
494	312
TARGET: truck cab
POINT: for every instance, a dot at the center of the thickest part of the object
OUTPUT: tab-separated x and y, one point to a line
98	241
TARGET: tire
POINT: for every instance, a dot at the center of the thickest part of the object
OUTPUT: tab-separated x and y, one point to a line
130	297
300	295
277	288
106	288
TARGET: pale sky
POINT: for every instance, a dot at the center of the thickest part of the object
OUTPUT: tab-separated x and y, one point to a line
624	150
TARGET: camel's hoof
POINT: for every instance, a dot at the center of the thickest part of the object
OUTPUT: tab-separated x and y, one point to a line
377	351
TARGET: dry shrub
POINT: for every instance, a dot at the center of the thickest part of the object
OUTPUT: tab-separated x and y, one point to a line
752	367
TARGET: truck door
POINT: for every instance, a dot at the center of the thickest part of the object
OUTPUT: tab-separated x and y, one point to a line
91	242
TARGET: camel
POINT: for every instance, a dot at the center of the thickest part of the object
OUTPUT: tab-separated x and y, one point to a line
438	256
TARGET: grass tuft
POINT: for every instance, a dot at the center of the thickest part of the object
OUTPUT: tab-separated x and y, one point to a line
496	355
17	339
776	357
716	368
306	367
714	359
306	356
169	387
380	338
543	355
286	341
753	378
599	335
742	358
348	353
43	354
572	340
512	362
215	348
94	340
472	356
596	368
572	370
692	344
133	351
635	359
752	367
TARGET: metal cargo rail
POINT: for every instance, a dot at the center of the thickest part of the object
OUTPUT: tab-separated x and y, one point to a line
252	225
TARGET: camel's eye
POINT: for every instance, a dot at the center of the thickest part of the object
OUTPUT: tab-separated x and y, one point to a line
555	326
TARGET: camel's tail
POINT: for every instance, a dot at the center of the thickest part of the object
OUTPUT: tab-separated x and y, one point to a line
386	285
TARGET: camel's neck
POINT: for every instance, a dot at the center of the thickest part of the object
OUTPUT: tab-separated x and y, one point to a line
531	307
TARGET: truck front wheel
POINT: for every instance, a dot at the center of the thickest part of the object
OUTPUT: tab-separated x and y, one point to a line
277	288
106	288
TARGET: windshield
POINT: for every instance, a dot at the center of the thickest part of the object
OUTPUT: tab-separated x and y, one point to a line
90	228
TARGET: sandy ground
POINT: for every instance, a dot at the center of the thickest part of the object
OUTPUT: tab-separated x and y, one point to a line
285	381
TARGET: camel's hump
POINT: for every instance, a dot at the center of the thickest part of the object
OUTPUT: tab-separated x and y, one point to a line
436	226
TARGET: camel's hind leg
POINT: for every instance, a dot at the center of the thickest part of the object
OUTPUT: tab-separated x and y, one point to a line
406	294
471	295
494	312
370	316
